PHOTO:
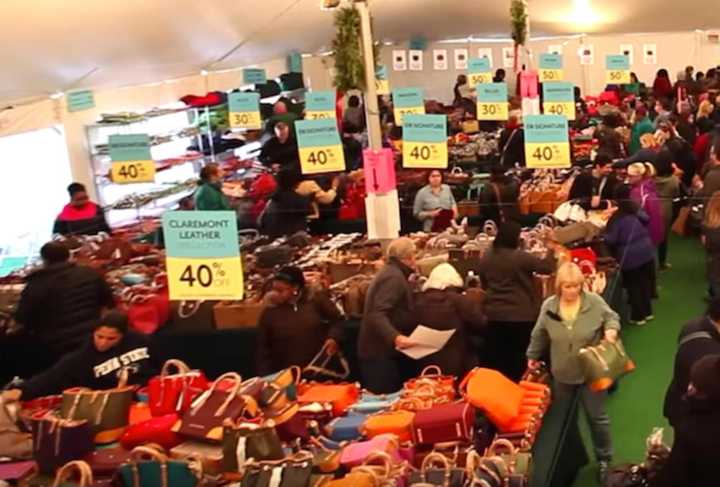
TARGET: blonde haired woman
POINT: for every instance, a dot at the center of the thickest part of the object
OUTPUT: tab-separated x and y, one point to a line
711	241
442	306
569	321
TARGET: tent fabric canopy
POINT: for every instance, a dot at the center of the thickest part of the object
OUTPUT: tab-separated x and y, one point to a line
53	45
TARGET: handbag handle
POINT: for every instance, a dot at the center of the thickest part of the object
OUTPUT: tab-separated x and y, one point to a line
67	470
501	444
426	372
181	367
384	460
206	395
435	458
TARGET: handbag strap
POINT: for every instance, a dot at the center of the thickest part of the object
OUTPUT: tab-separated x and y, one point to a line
321	368
66	471
501	444
501	213
231	395
194	308
180	366
427	371
435	458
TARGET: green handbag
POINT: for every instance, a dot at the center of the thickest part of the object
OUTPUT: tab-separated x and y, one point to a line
244	441
151	468
604	363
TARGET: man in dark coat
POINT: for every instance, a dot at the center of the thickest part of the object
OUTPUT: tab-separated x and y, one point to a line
62	301
387	319
698	338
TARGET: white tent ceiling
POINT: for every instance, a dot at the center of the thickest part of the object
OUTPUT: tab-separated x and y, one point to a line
50	45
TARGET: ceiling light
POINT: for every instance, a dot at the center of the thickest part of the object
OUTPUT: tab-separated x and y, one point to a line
204	72
329	4
56	95
583	13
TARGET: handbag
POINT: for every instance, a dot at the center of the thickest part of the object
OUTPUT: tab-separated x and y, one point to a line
317	369
372	403
77	467
206	415
604	363
519	464
341	396
356	453
280	388
169	394
493	394
208	456
293	472
150	468
444	423
242	442
192	316
432	376
680	225
346	428
158	430
14	442
398	423
107	412
104	462
431	475
58	441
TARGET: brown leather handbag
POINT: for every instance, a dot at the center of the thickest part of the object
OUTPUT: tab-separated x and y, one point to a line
244	441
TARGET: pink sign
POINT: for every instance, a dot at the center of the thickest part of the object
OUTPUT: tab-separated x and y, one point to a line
379	169
529	84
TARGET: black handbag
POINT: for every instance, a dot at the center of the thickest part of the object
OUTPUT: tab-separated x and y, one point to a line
436	470
292	81
294	472
192	316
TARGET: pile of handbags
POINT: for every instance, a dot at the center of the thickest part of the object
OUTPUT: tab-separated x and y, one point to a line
183	429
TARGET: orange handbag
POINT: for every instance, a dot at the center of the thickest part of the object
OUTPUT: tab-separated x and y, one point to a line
398	423
495	395
341	396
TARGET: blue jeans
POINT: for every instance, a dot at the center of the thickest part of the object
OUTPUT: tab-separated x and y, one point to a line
595	407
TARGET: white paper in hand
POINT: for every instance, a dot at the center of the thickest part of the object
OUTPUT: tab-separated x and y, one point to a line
428	341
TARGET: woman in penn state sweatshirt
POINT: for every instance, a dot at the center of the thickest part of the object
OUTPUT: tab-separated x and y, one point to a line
111	348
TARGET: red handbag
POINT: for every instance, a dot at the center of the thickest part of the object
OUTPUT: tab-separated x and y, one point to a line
353	205
175	393
445	423
155	430
204	420
106	461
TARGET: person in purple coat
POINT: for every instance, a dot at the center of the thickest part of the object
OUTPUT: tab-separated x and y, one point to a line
644	193
628	237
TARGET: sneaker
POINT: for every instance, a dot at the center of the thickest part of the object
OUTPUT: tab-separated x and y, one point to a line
649	317
638	323
603	470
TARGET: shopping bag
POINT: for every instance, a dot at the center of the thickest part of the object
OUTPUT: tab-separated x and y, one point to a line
604	363
174	393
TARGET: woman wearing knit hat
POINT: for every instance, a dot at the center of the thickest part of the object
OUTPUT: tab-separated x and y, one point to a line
296	323
111	349
695	453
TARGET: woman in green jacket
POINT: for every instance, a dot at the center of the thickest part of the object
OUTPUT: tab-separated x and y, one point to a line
569	321
209	195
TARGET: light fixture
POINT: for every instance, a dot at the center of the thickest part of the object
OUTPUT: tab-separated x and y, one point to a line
329	4
204	72
583	13
57	95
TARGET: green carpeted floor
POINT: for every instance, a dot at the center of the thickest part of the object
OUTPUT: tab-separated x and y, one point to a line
636	408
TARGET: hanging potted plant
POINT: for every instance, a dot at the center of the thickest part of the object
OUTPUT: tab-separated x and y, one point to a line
519	27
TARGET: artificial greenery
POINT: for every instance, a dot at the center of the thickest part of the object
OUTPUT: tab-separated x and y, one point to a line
348	51
518	21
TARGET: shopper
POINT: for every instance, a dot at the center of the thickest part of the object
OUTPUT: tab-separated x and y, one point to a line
296	324
97	365
711	241
696	448
569	321
462	91
710	176
663	109
512	143
81	216
644	193
435	204
662	87
628	237
287	211
643	125
388	318
703	120
668	189
499	198
512	300
499	76
595	189
281	150
609	139
699	338
209	195
354	116
62	301
443	306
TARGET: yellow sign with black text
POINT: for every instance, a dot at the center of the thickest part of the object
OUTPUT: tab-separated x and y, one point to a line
319	115
401	112
316	160
547	155
205	278
480	78
551	75
618	77
245	120
492	111
128	172
382	87
425	155
566	109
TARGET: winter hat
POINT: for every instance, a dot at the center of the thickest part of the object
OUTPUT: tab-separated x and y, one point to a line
443	277
705	377
291	275
114	319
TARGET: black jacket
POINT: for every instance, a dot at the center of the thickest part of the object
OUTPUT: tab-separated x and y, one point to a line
285	214
388	311
96	370
504	209
61	303
88	226
292	334
695	453
274	152
512	147
687	354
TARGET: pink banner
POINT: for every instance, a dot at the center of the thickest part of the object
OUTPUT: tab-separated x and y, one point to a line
529	84
379	169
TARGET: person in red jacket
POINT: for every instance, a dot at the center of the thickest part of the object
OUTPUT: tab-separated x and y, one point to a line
662	87
81	216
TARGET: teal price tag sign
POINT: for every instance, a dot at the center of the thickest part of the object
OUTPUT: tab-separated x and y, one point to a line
294	62
243	102
558	91
201	234
479	65
551	61
545	129
617	62
492	93
254	76
80	100
320	101
317	133
130	147
408	97
425	128
381	72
